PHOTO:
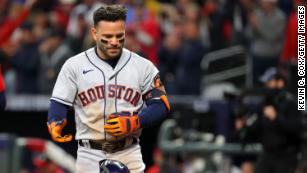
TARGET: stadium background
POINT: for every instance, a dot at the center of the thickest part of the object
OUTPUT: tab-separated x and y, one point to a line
204	49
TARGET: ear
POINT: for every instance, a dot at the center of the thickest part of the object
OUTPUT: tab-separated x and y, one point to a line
94	33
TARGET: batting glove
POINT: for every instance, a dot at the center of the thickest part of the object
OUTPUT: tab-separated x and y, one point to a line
120	124
55	130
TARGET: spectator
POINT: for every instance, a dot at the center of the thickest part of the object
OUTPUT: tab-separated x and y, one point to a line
147	32
25	61
132	43
239	10
277	126
17	16
168	18
60	14
265	38
41	24
53	52
168	54
188	72
219	25
80	21
86	9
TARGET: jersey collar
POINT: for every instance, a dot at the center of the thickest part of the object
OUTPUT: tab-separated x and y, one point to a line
122	62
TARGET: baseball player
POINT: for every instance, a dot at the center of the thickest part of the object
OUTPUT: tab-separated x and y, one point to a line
2	93
107	86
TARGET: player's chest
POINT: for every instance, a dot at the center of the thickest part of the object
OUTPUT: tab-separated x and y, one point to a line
95	85
92	77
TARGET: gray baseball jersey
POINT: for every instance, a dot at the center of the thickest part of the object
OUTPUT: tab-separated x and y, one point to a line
96	90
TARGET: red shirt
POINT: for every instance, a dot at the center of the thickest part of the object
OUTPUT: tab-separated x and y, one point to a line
2	86
153	169
9	26
289	52
151	27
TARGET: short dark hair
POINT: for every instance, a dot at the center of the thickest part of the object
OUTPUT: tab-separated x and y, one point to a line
110	13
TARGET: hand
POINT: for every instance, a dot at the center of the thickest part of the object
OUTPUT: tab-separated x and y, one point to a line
55	131
270	112
119	124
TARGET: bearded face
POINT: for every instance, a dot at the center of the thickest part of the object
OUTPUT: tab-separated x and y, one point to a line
110	38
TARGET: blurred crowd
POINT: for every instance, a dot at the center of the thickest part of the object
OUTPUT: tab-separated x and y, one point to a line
36	37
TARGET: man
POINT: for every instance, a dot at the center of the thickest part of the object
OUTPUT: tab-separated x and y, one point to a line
25	61
265	39
53	52
107	86
277	127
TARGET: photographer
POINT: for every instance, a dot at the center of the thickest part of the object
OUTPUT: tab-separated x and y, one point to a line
276	125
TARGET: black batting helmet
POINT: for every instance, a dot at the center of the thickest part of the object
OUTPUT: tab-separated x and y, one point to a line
113	166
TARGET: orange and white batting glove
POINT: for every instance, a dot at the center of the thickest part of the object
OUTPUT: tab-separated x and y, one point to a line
119	124
55	130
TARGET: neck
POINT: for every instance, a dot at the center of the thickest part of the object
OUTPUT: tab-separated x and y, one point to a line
100	54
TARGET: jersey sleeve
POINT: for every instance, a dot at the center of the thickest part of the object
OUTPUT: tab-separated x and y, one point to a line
65	87
150	78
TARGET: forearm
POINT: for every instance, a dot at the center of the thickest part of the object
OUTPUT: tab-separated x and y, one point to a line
57	121
7	30
154	113
57	112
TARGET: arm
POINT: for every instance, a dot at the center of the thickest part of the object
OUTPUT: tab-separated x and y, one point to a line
120	124
155	112
7	30
57	120
157	108
62	98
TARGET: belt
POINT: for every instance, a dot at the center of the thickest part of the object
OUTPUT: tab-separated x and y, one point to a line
108	146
